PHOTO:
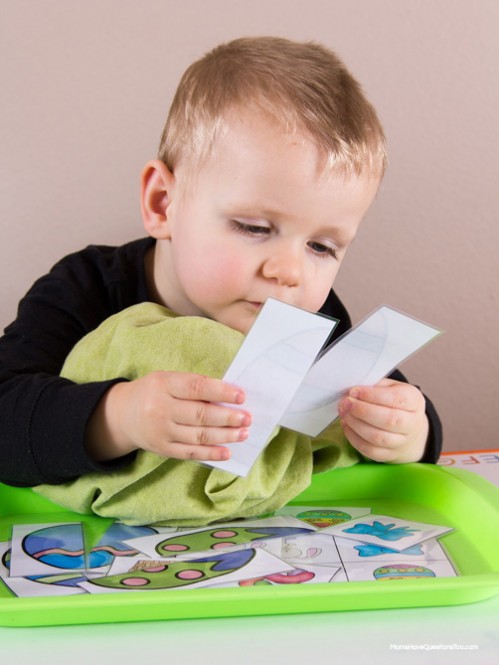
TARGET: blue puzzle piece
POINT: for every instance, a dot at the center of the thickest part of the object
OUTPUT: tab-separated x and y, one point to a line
381	531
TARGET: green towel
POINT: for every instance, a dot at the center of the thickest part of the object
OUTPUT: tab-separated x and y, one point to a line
154	489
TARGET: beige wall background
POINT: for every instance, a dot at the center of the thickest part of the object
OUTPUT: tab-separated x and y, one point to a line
85	86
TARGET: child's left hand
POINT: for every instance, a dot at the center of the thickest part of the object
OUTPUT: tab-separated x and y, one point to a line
386	422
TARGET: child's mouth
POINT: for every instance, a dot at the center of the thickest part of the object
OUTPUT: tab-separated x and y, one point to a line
255	304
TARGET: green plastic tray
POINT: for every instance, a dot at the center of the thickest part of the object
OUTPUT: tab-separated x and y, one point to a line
425	493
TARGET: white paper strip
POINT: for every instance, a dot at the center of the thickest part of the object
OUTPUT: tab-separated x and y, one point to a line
362	356
278	351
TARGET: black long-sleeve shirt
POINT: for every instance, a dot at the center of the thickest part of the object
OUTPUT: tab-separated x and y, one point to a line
42	416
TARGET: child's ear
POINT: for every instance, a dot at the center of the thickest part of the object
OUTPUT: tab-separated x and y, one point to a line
157	183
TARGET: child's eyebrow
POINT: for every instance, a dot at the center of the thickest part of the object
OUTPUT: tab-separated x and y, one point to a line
252	212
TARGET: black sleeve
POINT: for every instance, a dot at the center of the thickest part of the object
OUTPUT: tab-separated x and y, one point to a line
335	308
42	416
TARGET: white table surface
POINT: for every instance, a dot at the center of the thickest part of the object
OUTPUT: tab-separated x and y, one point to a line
336	637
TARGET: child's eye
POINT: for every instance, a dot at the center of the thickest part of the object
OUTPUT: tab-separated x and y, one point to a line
323	250
250	229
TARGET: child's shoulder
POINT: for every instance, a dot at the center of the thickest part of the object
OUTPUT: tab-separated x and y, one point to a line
106	256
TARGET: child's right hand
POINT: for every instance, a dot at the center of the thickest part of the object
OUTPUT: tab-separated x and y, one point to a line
172	414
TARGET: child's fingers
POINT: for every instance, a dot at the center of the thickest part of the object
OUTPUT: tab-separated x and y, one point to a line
386	422
390	394
206	414
377	453
361	414
360	432
207	436
203	388
183	451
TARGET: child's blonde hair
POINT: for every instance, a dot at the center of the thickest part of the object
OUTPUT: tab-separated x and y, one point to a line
304	86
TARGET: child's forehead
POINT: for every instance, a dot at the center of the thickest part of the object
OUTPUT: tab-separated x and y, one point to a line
253	151
262	147
255	139
252	134
244	143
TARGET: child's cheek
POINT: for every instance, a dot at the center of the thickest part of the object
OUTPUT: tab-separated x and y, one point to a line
219	275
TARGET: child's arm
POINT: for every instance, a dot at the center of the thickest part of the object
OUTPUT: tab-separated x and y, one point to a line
173	414
386	422
43	418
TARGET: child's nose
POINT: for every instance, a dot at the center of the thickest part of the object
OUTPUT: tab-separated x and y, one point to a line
285	268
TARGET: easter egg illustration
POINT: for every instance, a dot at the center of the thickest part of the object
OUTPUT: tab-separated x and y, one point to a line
324	518
178	574
402	571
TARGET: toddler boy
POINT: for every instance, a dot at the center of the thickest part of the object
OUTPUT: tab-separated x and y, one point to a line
269	160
